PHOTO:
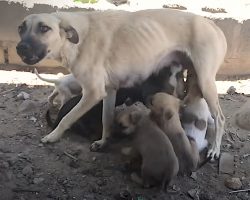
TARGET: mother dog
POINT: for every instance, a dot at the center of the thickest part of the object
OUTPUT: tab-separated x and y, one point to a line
112	49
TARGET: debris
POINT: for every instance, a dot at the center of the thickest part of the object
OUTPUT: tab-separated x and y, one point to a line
238	191
194	194
23	96
27	106
226	163
233	183
246	155
33	119
231	90
69	155
27	171
123	195
25	190
38	180
6	91
194	175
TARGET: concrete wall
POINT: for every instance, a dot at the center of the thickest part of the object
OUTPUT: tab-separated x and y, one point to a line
237	61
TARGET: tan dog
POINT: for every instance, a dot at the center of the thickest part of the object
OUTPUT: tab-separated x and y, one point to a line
66	87
106	50
165	112
159	162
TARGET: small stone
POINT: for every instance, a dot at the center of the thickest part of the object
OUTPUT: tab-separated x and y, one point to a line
226	163
40	145
194	175
233	183
27	106
38	180
27	171
33	119
194	194
231	90
123	195
23	96
94	158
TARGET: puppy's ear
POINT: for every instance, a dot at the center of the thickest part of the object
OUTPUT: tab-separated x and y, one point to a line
134	117
168	114
71	33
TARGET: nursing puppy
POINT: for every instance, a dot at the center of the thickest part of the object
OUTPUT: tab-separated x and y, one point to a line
108	50
195	115
169	79
66	87
165	112
159	162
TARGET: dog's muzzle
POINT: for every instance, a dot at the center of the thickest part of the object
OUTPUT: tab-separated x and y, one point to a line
29	53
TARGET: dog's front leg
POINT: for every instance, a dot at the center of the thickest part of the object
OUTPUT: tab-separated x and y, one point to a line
84	105
107	119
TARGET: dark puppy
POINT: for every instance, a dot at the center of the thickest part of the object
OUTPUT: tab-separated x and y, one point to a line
92	120
159	162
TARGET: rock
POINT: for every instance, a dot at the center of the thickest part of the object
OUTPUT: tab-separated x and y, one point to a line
33	119
38	180
233	183
23	96
194	175
194	194
123	195
27	106
27	171
226	163
231	90
242	117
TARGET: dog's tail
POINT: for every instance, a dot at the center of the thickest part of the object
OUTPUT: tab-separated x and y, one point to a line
49	120
55	81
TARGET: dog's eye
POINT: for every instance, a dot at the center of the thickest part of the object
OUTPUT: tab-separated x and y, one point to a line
44	28
21	29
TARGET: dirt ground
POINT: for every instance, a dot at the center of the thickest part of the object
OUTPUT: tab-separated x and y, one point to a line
30	170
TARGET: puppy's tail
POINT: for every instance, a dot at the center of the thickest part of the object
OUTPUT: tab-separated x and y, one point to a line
49	120
55	81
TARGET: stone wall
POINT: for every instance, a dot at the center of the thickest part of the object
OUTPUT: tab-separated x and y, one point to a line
237	61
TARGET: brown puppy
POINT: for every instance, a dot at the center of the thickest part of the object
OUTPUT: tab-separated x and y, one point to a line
165	112
159	162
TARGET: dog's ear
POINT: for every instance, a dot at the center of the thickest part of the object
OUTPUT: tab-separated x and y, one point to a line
134	117
71	33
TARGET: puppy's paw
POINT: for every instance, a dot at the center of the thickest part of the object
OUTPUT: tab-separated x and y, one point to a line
97	145
52	137
213	152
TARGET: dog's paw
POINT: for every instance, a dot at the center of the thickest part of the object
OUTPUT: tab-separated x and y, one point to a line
213	152
97	145
50	138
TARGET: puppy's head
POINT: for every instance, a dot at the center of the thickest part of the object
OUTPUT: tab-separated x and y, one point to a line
43	35
127	117
163	106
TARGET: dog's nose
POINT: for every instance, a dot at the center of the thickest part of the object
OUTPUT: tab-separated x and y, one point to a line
23	47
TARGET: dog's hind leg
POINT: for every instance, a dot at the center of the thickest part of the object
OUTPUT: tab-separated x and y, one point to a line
209	91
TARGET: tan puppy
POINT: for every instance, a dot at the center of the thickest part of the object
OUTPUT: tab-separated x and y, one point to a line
66	87
107	50
165	112
159	162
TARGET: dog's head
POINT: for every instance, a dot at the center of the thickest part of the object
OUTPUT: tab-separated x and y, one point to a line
43	35
163	106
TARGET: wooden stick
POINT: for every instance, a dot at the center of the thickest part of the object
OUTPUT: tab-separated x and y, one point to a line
237	191
71	156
